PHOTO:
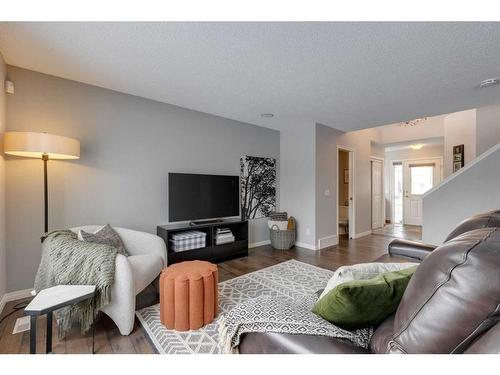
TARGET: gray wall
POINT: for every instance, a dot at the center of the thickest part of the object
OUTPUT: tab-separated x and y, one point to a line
364	144
297	179
361	141
129	145
3	257
487	128
471	190
326	179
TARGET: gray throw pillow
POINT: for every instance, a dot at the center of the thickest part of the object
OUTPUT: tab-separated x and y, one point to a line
106	236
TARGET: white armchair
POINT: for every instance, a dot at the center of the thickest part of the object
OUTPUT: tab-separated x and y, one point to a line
147	257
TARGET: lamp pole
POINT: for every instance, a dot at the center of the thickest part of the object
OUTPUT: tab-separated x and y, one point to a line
45	158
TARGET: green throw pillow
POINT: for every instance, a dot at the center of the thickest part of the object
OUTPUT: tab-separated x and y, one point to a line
364	303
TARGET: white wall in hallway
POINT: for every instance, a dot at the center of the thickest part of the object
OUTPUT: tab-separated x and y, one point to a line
459	129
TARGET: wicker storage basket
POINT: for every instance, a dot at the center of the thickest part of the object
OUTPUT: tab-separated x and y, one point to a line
282	239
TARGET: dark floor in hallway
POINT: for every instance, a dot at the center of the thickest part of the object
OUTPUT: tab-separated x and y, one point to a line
408	232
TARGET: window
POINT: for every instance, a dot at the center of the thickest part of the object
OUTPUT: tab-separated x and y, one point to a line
421	178
398	193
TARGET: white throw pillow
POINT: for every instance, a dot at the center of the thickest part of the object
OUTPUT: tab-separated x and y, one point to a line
362	271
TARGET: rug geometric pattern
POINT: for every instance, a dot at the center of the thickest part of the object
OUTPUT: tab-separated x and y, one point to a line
291	279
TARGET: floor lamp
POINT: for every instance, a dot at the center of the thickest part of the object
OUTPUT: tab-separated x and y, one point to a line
41	146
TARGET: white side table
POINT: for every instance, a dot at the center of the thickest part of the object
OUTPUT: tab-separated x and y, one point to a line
50	299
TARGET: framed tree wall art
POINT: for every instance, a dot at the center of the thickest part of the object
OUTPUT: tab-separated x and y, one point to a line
258	186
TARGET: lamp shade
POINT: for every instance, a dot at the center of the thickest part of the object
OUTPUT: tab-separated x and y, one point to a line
35	145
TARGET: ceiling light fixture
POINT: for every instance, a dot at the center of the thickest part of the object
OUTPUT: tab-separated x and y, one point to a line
416	147
412	122
489	82
267	115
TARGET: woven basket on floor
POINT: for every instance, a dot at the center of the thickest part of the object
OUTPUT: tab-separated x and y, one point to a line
282	239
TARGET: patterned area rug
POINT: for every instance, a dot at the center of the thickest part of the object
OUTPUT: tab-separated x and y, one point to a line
291	279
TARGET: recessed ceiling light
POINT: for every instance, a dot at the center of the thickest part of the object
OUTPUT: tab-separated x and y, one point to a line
267	115
416	147
489	82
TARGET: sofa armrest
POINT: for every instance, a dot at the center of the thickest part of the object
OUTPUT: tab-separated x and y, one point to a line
410	249
143	243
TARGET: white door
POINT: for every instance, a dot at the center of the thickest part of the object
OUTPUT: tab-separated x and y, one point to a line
419	176
377	194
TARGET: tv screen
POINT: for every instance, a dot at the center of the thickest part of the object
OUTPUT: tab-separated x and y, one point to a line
202	196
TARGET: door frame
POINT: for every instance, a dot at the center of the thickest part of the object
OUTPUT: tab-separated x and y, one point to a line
352	190
382	160
391	178
391	189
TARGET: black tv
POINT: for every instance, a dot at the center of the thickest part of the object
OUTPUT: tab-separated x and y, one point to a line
202	196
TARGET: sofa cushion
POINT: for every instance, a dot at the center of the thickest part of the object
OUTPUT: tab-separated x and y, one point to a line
453	296
364	303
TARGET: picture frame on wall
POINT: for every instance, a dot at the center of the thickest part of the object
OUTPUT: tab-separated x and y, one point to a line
458	157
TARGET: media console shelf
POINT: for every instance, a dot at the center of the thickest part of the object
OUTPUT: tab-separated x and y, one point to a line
212	252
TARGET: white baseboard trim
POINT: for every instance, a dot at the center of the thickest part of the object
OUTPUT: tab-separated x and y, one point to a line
257	244
12	296
328	241
362	234
305	245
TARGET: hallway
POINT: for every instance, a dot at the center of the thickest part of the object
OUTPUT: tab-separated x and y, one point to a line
407	232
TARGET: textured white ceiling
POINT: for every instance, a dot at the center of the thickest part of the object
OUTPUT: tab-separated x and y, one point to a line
345	75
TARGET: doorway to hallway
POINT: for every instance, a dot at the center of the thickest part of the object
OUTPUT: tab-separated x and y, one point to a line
345	192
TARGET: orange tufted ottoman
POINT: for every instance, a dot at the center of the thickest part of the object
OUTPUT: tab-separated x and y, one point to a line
188	295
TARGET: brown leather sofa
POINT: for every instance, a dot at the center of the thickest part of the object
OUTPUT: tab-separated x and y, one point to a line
451	305
417	251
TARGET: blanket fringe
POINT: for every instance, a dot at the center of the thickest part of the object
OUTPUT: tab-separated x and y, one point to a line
225	339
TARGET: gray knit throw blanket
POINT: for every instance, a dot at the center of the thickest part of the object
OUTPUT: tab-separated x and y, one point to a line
281	315
69	261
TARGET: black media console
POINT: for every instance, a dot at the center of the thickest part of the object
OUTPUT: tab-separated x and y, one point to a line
212	252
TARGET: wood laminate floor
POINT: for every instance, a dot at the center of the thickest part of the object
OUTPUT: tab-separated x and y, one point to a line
108	339
408	232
